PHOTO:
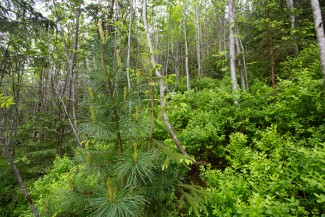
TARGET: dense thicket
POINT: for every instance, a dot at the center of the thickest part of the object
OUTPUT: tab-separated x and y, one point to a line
200	108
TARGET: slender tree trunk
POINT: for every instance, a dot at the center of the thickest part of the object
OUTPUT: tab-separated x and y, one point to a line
272	58
73	66
70	81
110	17
224	44
232	46
177	62
271	51
243	55
73	127
244	61
198	38
161	83
129	47
17	174
290	6
241	68
201	22
16	114
240	65
188	85
319	27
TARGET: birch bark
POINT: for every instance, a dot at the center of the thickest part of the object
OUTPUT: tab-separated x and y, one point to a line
232	46
129	47
188	85
290	6
161	83
198	38
319	27
70	80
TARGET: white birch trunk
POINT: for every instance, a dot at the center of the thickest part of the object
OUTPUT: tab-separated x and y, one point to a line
319	27
239	51
290	6
198	38
188	85
70	81
129	47
240	66
161	83
232	46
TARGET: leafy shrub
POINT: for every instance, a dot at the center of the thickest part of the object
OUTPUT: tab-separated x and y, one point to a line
274	176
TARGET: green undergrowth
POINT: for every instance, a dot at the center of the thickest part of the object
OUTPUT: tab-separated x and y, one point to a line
261	157
265	155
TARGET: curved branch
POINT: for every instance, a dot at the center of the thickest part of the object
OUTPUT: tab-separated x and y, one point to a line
161	84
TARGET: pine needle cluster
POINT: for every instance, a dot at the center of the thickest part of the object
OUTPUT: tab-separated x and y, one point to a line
117	173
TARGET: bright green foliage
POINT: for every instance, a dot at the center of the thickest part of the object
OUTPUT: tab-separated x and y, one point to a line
275	175
97	182
206	118
267	154
116	174
265	28
261	157
5	101
8	184
307	60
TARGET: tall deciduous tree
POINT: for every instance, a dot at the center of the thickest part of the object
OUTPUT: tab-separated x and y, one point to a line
129	46
161	82
319	27
70	80
232	51
291	7
198	37
188	85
